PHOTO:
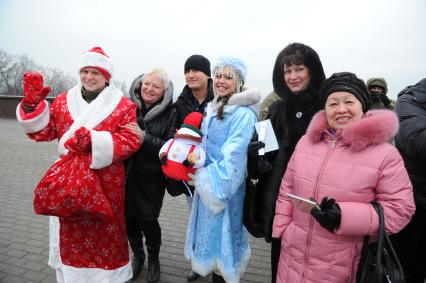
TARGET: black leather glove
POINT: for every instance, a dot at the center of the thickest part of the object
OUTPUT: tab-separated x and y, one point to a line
386	101
253	148
188	163
329	216
163	159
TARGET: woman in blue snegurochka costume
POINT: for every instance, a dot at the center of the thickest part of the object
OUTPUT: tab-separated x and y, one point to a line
217	240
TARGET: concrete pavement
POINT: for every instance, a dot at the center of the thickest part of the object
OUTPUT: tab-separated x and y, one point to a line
24	235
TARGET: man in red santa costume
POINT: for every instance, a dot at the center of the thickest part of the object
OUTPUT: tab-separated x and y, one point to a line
87	249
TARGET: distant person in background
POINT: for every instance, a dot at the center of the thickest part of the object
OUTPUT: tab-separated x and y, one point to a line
296	78
410	140
194	97
217	240
266	102
146	183
378	89
96	118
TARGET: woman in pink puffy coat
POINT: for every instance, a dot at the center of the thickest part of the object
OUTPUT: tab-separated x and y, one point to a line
345	162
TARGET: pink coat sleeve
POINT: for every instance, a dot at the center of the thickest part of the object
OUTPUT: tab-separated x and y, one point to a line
284	207
393	191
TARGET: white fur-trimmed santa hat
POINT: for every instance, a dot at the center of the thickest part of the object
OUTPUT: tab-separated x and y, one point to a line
190	128
97	58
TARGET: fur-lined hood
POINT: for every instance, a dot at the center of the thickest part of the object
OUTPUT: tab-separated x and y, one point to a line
316	71
376	127
248	97
135	90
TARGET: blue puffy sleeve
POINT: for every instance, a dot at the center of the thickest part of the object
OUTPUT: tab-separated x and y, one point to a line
217	182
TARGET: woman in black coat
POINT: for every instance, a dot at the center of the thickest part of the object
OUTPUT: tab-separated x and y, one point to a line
297	77
145	184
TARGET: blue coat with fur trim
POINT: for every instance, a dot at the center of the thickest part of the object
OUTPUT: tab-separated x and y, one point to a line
216	238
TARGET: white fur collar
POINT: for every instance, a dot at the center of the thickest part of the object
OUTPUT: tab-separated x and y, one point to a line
91	114
377	126
248	97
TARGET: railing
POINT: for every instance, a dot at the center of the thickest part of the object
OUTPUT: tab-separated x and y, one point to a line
8	104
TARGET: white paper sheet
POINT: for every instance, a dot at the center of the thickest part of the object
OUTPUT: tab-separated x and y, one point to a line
267	135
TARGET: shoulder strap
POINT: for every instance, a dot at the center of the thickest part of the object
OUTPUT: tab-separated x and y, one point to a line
170	145
380	239
190	151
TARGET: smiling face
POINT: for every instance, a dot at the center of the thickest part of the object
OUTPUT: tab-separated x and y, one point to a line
341	109
297	77
225	82
196	80
152	89
92	79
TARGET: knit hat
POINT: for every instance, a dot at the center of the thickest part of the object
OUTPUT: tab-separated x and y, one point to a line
232	64
191	127
348	82
380	82
198	62
98	59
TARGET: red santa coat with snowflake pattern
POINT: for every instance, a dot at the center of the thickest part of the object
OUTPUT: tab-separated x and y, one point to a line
90	249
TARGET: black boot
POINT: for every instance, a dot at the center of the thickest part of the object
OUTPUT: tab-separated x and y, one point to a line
216	278
192	276
138	256
153	264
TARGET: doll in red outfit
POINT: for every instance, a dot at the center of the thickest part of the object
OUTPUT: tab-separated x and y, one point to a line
183	154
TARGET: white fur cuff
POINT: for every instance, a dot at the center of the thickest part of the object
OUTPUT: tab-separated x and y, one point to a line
35	124
102	149
203	185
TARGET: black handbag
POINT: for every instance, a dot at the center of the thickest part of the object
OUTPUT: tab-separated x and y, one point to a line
379	262
253	209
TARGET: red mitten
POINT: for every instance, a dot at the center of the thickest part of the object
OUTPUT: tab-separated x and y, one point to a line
80	142
34	89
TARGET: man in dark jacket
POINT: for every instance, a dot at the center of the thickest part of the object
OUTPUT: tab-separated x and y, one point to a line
194	97
197	92
410	140
297	77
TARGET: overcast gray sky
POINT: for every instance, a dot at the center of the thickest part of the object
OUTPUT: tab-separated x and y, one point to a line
370	38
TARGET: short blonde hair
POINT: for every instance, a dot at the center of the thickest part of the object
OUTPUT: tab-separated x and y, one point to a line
160	74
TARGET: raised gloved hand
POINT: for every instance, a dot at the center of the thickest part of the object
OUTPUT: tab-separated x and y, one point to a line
253	148
80	142
329	216
34	89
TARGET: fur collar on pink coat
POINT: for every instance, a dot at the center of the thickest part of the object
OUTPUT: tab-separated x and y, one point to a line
377	126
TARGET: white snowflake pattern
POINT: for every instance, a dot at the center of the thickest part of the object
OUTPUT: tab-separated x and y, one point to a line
111	228
87	175
88	243
97	199
61	191
84	192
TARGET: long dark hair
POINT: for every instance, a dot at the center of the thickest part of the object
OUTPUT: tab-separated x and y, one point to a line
224	101
296	54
